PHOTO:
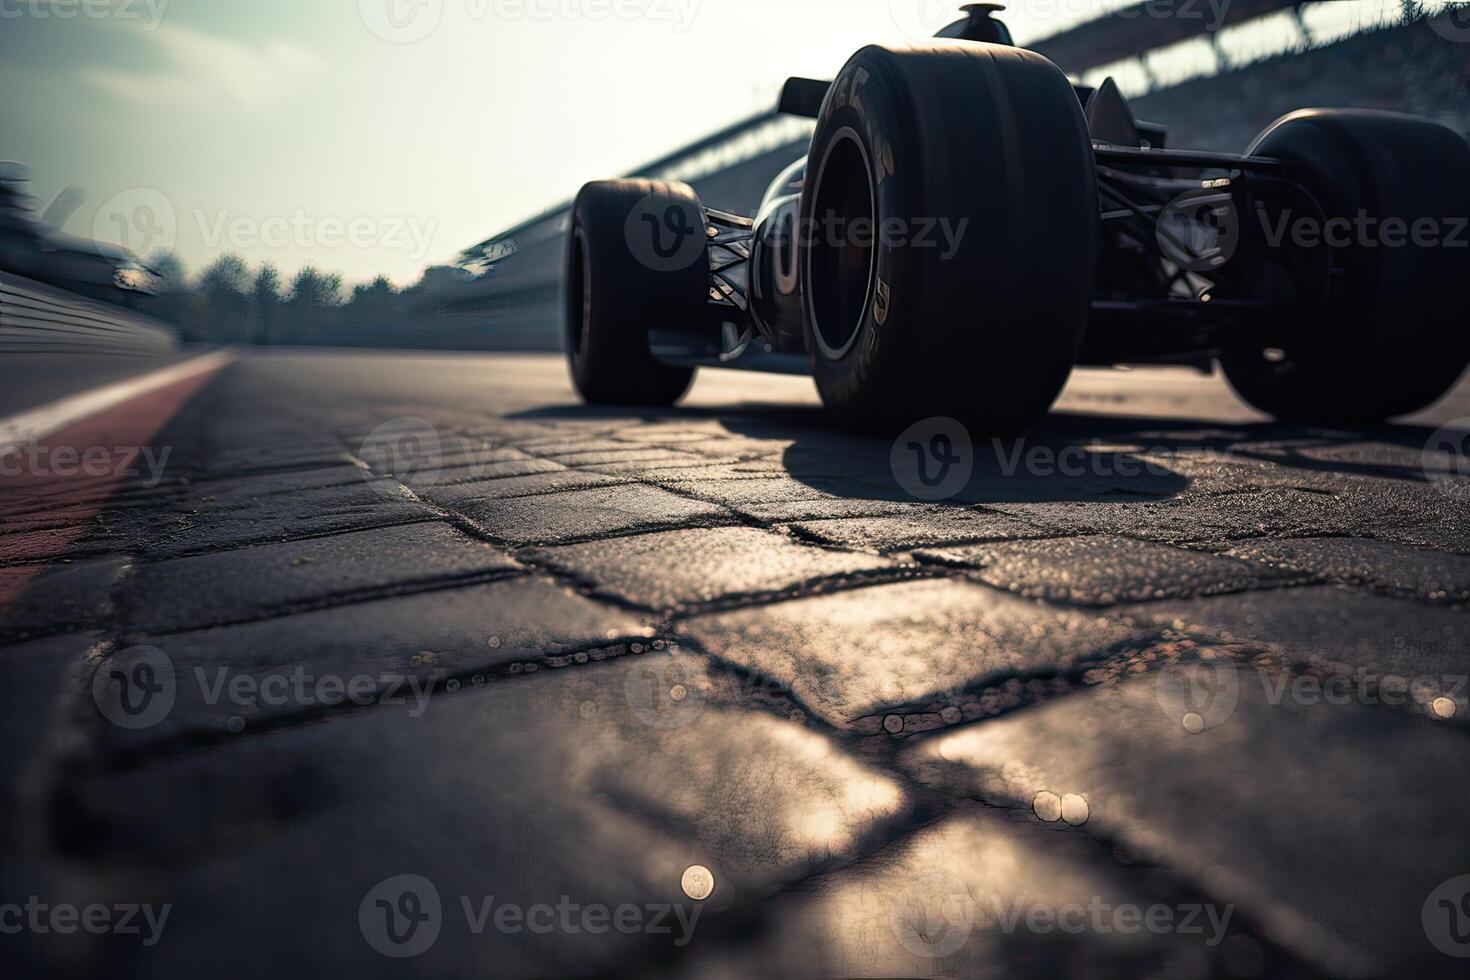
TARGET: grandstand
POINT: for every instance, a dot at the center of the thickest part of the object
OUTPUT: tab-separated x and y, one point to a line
1154	25
1407	68
1215	74
1160	44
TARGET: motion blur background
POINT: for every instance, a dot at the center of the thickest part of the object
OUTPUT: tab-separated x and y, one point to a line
394	172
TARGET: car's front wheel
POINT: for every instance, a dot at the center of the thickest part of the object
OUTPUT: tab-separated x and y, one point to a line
949	234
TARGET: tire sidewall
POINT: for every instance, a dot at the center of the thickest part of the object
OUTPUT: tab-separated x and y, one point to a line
577	300
861	103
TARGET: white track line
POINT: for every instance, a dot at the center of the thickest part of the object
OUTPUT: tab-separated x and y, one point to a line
20	430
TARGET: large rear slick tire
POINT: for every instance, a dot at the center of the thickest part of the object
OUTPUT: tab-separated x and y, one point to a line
949	236
636	260
1390	335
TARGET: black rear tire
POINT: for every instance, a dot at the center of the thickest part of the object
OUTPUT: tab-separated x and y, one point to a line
983	322
1391	337
620	285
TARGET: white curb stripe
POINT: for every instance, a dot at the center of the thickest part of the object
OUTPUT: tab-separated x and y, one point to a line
18	431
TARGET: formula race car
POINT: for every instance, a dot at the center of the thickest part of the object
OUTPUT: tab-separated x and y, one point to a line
969	224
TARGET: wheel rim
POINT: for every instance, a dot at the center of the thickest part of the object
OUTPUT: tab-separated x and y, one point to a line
579	296
839	264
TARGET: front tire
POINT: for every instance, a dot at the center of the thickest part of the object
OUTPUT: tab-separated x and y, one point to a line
971	169
619	285
1390	337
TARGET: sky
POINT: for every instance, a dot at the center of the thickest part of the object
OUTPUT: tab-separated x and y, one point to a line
383	136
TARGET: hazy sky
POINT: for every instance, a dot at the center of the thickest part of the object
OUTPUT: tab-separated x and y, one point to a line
370	136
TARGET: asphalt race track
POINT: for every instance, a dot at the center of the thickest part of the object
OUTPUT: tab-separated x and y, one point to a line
396	643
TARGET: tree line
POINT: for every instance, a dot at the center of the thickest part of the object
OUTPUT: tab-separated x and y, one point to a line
229	302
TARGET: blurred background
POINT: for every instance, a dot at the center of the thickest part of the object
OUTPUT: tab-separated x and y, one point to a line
394	173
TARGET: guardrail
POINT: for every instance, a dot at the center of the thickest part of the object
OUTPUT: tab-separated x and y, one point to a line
35	318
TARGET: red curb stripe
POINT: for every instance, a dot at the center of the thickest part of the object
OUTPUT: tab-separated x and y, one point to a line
121	431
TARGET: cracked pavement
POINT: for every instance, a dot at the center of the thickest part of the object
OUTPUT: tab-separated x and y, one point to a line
422	615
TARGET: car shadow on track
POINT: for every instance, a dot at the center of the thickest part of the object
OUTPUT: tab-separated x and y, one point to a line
1066	457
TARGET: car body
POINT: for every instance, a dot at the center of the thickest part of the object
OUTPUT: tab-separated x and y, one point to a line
1160	255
